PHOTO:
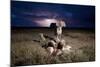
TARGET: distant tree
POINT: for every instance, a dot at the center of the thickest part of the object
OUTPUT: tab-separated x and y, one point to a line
53	25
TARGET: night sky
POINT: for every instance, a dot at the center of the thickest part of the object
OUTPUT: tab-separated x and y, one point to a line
35	14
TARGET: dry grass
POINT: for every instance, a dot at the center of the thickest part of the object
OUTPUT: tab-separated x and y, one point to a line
24	51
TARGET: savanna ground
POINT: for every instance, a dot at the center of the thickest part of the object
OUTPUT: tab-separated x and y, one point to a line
26	51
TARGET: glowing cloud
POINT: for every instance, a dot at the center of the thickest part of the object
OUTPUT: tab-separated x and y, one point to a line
46	22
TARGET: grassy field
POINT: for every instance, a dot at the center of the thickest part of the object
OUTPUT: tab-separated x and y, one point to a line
26	51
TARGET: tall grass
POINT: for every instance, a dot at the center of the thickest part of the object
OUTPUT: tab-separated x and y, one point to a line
32	54
24	51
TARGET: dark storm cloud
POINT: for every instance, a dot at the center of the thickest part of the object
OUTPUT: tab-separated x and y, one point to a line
24	14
